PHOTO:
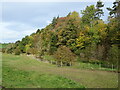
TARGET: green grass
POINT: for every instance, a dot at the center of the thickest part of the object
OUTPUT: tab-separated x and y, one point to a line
91	66
38	70
3	45
16	78
48	57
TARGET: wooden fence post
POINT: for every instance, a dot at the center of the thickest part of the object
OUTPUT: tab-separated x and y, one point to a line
70	63
99	65
61	63
112	67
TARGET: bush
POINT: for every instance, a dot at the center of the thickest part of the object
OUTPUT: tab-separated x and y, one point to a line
17	52
2	50
64	56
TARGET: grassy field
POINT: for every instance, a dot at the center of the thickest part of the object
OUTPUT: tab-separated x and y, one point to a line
28	72
3	45
13	78
16	76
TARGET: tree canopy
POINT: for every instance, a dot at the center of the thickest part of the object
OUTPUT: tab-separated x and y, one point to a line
87	37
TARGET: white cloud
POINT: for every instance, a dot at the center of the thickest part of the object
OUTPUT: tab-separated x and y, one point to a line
56	0
11	35
7	33
28	32
48	22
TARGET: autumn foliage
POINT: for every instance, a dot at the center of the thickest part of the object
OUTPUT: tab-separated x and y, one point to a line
87	37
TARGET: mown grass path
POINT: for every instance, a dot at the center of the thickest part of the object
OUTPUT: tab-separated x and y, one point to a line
88	78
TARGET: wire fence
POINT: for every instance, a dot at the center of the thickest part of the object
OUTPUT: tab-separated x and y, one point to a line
99	65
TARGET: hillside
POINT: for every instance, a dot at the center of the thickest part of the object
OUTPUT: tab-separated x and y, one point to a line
71	52
28	72
87	38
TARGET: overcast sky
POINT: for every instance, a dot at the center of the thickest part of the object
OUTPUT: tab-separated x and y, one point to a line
23	18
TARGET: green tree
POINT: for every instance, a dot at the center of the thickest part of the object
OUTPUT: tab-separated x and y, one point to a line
54	21
74	15
53	43
88	15
64	56
99	11
114	11
82	41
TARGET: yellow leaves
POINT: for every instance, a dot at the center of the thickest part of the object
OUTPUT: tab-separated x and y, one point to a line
27	47
30	37
75	15
102	32
80	45
81	34
87	28
101	28
82	40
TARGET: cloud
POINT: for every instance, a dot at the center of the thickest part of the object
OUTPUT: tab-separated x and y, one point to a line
48	22
10	34
28	32
6	32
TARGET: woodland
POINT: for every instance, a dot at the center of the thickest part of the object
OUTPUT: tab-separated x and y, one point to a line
75	38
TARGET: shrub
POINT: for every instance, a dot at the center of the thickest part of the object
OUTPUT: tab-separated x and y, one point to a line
17	51
2	50
64	56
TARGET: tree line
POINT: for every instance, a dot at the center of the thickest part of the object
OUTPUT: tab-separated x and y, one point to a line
66	38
